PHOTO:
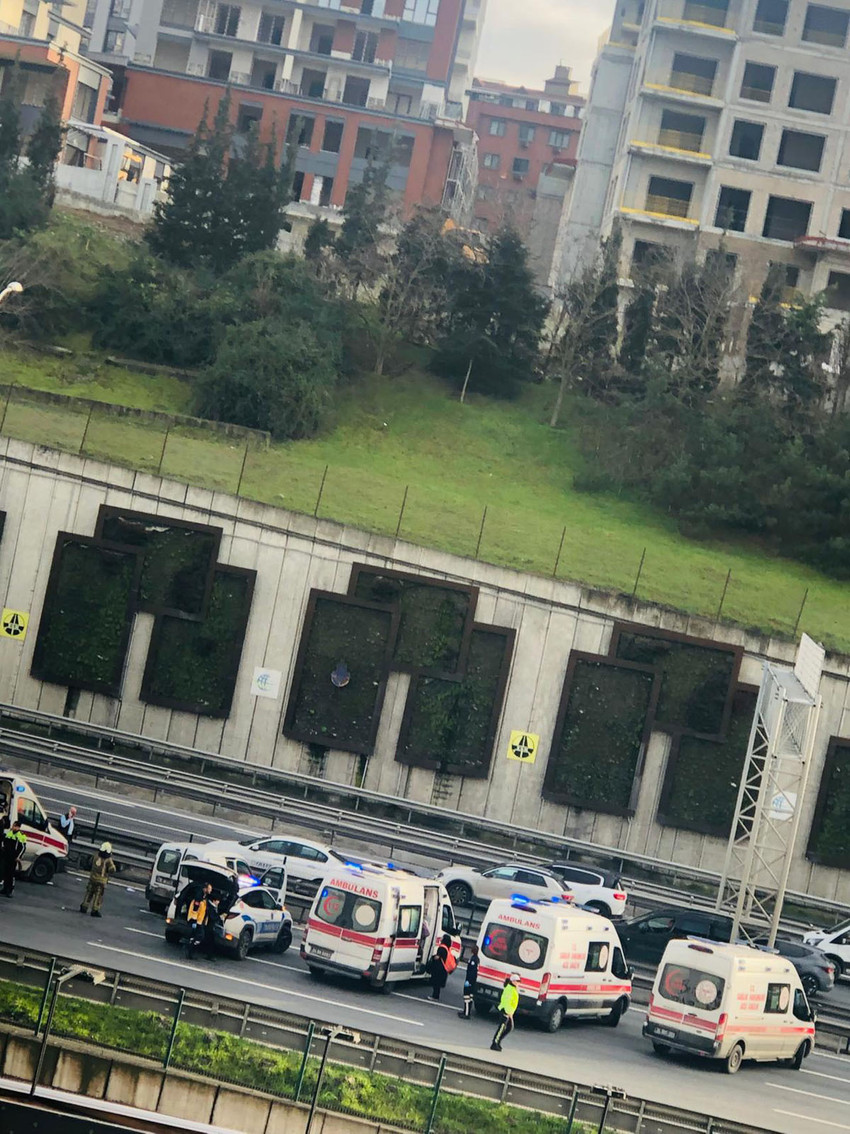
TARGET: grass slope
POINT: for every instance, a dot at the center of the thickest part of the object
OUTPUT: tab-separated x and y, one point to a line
454	460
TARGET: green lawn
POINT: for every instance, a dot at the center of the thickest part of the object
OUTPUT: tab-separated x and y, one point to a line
455	460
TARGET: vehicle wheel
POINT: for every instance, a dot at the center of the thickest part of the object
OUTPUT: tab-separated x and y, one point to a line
43	869
316	973
837	963
734	1059
482	1007
616	1014
244	944
810	986
660	1048
796	1061
459	893
156	907
600	908
283	939
554	1018
171	937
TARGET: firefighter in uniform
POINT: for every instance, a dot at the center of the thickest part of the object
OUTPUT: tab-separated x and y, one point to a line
101	868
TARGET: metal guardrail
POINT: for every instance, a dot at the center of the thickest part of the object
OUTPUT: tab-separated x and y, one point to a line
409	1062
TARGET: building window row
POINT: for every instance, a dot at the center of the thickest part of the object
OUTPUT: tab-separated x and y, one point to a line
785	218
370	144
797	150
696	75
823	25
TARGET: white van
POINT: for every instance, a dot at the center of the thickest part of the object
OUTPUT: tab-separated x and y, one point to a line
835	943
46	847
571	961
170	857
729	1002
377	923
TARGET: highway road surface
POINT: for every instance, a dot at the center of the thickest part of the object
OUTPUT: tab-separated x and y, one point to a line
815	1100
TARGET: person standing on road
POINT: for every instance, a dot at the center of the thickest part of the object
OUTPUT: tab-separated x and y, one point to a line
508	1005
101	868
68	824
197	915
439	967
469	983
12	848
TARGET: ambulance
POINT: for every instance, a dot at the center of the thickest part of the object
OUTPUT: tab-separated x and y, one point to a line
377	923
46	847
570	961
729	1002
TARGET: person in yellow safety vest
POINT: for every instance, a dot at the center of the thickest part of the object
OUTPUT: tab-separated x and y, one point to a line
101	868
508	1005
12	847
198	913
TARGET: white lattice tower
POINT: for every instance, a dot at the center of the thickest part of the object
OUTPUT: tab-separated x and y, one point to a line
773	784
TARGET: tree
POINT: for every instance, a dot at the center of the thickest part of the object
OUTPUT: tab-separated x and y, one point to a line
26	188
358	245
10	124
43	149
271	375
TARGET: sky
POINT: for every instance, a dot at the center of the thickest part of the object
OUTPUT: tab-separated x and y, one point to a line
524	39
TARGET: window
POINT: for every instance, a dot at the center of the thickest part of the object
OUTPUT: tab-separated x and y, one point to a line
218	65
326	188
812	92
668	196
421	12
313	83
526	135
113	42
248	118
27	26
348	911
260	900
692	925
227	19
31	815
520	166
838	291
746	139
770	17
514	946
801	1009
332	139
732	208
365	47
560	139
401	104
757	83
300	129
691	987
844	226
498	127
409	921
658	924
492	161
585	877
85	103
722	264
619	968
681	131
825	25
322	39
271	29
530	878
693	73
486	193
356	92
706	12
505	873
778	998
647	252
447	922
598	953
263	74
411	55
298	185
801	151
299	850
786	219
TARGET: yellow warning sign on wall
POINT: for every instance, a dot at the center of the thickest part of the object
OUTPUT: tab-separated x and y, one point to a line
523	746
14	623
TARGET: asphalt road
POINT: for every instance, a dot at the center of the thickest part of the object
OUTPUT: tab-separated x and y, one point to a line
129	937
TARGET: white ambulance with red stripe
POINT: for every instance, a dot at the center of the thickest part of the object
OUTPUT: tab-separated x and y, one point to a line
729	1002
46	846
377	923
570	961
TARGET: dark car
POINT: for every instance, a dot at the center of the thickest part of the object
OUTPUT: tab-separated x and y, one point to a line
816	971
645	938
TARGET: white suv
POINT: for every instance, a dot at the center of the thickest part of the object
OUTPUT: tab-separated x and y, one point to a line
466	885
835	943
599	890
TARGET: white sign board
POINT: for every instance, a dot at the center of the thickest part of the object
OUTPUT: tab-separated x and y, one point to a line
783	805
809	665
266	683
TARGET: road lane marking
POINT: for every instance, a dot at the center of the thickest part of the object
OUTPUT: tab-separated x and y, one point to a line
830	1055
427	1000
823	1075
252	983
809	1118
811	1094
144	932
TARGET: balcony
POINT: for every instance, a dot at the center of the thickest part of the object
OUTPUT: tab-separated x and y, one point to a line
686	89
671	152
702	19
667	206
679	140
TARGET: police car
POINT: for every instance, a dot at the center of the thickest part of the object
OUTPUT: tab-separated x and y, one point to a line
254	915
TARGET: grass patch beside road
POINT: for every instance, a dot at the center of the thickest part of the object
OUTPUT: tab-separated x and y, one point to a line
454	460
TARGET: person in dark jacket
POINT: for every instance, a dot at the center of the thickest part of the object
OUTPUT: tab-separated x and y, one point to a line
439	975
12	848
470	981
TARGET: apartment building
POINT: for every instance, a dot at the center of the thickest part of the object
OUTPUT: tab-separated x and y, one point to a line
721	120
345	80
528	140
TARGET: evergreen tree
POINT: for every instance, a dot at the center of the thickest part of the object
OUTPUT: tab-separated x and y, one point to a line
43	149
10	125
26	189
255	193
365	212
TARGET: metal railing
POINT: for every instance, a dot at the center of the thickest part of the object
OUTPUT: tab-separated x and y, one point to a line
768	27
680	140
704	14
755	94
416	1064
693	84
669	206
826	38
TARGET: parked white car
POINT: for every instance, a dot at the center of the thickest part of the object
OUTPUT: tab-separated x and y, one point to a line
835	942
595	889
306	862
467	885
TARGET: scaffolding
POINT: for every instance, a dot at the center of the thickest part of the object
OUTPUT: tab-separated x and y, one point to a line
770	796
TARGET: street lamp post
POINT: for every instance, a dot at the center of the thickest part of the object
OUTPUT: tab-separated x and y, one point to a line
14	288
93	975
329	1035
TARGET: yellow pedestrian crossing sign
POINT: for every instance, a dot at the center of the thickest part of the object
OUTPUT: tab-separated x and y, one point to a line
14	623
523	746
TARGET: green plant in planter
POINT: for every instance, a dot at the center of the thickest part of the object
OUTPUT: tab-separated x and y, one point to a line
192	666
87	615
340	712
450	725
595	753
703	776
695	680
829	842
